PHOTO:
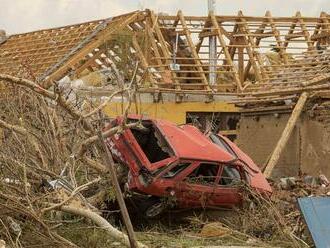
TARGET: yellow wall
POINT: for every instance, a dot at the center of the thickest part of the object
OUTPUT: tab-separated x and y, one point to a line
175	112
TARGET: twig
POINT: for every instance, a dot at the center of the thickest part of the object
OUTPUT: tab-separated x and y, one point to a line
72	195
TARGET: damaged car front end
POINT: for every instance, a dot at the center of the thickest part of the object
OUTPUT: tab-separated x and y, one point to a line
179	166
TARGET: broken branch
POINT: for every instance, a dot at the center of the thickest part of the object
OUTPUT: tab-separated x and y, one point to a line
101	222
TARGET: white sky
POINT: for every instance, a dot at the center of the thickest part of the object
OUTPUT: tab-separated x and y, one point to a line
17	16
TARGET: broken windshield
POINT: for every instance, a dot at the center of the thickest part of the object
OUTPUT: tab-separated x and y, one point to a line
152	142
222	144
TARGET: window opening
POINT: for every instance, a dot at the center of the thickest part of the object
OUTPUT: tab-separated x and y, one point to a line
230	176
152	143
176	170
204	174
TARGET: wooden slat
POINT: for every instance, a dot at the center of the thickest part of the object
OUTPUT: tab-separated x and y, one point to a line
226	52
193	50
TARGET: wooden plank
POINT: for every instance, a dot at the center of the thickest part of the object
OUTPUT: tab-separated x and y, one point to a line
193	50
154	46
230	18
89	62
290	32
260	30
102	37
163	46
279	148
226	52
228	132
249	41
277	36
306	34
241	61
143	60
119	196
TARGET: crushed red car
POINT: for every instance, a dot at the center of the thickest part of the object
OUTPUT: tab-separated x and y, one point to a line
180	166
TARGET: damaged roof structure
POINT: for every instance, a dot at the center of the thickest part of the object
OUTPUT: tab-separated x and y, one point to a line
262	64
172	51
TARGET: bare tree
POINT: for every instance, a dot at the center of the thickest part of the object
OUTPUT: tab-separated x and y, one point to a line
49	159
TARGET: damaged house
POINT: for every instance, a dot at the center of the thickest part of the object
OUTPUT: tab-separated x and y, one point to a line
248	89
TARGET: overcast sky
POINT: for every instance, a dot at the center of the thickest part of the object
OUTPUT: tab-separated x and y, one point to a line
17	16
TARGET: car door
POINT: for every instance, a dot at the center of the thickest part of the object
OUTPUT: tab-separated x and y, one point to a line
197	185
227	190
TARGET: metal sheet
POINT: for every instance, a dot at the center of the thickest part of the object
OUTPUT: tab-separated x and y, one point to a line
316	211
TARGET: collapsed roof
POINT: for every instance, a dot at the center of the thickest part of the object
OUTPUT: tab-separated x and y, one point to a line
255	56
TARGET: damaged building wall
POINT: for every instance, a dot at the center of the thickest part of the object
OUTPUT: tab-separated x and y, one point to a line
257	136
308	148
170	110
315	144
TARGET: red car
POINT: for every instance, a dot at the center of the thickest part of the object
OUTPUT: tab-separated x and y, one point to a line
180	166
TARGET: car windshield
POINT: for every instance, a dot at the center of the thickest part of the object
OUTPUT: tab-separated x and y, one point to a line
152	142
222	144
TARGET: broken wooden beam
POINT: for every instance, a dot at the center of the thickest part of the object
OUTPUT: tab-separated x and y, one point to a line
285	135
119	196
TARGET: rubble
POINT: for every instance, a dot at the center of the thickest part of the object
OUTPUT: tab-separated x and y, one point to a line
288	182
214	230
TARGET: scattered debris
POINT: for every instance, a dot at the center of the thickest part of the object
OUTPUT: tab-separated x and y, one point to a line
287	182
214	229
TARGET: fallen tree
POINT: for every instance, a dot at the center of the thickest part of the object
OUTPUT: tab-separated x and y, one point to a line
50	160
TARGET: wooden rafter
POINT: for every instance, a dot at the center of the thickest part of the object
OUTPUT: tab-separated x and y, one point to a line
193	51
164	48
260	30
94	43
143	61
277	36
248	40
290	32
244	42
226	52
306	34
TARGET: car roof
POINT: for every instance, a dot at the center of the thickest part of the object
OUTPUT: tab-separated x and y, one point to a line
188	142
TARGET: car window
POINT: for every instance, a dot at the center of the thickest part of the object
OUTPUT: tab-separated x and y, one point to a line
222	144
152	142
230	176
175	170
205	173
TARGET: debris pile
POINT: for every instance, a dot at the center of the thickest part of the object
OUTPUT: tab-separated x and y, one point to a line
51	162
62	169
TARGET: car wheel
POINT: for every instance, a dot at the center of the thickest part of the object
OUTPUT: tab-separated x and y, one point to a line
155	210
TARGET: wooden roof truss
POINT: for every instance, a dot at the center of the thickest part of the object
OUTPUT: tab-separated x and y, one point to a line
172	51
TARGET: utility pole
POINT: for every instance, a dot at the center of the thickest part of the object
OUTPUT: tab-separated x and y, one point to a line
212	48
